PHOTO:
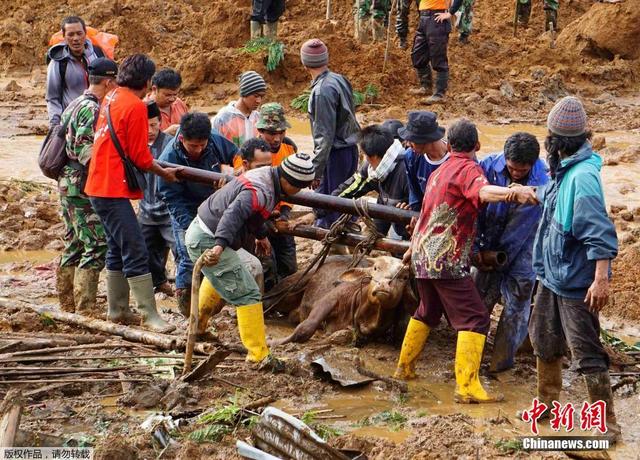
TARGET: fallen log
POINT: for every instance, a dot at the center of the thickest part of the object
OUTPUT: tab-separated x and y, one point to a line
11	410
45	390
44	359
14	382
313	200
77	338
206	365
57	349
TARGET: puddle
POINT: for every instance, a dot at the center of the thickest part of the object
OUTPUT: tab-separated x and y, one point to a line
34	257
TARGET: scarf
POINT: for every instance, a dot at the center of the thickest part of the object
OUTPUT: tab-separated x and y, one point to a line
387	163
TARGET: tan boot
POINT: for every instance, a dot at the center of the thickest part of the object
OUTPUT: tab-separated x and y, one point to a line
64	286
599	388
85	289
549	382
256	30
270	30
377	29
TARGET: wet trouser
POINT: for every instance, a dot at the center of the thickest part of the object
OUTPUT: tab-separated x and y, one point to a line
85	243
159	239
430	43
283	253
184	266
127	251
267	10
402	17
230	276
560	322
458	299
377	9
465	25
514	319
341	165
547	4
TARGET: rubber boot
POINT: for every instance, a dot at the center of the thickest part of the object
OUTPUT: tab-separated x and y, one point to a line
142	291
549	374
85	289
468	357
118	298
463	39
270	30
442	82
523	13
412	345
551	19
209	303
363	30
252	334
599	388
183	296
64	286
402	43
377	29
425	79
256	29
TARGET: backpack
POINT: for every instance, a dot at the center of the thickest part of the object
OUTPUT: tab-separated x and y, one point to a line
53	152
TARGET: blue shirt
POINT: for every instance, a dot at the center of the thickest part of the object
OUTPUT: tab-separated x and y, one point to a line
419	168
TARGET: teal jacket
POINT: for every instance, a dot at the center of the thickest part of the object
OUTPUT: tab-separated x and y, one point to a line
575	230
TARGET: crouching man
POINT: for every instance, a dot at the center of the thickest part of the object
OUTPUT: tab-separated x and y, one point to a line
240	207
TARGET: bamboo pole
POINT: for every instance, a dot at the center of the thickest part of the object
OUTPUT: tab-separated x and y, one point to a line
12	411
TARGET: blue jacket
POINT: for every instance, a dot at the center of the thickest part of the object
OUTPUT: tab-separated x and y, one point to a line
418	171
510	227
183	198
575	230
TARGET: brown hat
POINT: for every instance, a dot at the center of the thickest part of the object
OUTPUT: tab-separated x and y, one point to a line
314	53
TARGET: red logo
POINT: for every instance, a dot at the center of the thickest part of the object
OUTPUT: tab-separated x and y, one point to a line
562	416
594	416
532	415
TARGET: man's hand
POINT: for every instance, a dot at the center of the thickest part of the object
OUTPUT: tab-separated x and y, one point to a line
218	184
598	294
411	226
171	174
263	247
406	257
172	130
525	195
212	256
404	206
441	17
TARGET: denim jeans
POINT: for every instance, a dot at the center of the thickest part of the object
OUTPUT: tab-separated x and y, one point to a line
127	251
184	266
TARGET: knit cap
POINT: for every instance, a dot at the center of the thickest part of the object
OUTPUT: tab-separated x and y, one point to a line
298	170
567	118
314	53
250	83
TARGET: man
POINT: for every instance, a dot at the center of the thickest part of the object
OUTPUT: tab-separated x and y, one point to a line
427	152
523	11
372	15
572	254
272	128
333	123
465	21
440	254
165	86
241	207
197	146
510	229
67	68
255	153
264	18
237	120
85	245
122	129
383	172
153	215
430	47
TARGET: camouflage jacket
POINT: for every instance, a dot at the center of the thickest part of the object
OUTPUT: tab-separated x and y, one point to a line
83	113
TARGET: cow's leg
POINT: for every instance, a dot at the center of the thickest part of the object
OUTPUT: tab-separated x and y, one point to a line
319	312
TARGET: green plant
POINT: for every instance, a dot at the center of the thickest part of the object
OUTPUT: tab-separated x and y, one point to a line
395	420
273	48
301	102
370	93
47	320
617	343
509	446
210	433
326	431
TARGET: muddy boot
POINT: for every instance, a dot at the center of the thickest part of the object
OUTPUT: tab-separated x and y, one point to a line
64	286
467	368
523	13
551	20
142	291
425	79
183	296
256	30
118	299
599	388
363	31
377	29
209	304
85	289
442	82
463	39
549	374
270	30
412	345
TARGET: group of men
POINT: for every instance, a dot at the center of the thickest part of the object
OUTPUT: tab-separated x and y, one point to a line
504	215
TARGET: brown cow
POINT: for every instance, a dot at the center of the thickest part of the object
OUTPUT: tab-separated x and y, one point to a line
369	298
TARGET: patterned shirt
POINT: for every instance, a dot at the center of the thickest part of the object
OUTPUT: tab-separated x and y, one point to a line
446	228
82	114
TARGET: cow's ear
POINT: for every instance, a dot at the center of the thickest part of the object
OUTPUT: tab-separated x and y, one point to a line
354	274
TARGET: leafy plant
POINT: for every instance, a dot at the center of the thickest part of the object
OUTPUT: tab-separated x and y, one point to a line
221	421
301	102
47	320
273	48
509	446
617	343
370	93
395	420
326	431
210	433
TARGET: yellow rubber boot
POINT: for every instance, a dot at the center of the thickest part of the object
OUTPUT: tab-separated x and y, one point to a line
209	304
468	357
251	327
412	345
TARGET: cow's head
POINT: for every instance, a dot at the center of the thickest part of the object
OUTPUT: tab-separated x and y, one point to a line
385	284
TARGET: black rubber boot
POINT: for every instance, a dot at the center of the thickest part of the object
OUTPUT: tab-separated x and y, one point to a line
442	82
463	39
426	82
524	13
402	43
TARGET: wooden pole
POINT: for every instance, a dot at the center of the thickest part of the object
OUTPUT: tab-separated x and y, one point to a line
11	413
386	49
329	10
193	315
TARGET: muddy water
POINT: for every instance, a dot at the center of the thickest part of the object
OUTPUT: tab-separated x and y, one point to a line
27	256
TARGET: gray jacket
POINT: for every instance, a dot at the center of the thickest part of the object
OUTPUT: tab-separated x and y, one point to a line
241	207
76	78
333	117
152	210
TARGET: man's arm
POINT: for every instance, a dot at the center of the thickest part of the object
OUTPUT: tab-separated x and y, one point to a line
323	130
598	293
54	93
495	194
357	185
85	120
234	218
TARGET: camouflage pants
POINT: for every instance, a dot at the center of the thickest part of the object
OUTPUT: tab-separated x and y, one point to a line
378	9
85	243
402	17
548	4
466	17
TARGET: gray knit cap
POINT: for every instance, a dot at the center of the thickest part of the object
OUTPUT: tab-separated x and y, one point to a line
250	83
298	170
567	118
314	53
